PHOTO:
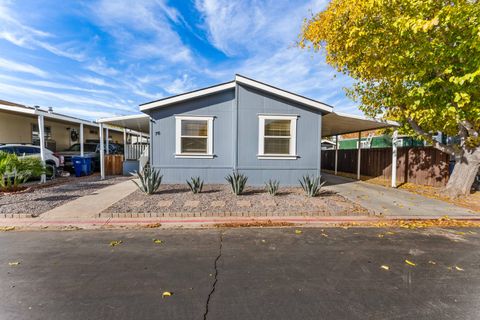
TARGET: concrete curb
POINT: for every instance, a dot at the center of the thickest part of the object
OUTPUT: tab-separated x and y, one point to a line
112	223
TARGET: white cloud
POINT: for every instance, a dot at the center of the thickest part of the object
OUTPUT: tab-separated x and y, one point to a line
50	84
18	33
180	85
32	94
21	67
143	28
96	81
239	27
101	67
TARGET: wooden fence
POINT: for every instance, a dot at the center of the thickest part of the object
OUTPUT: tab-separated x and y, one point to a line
419	165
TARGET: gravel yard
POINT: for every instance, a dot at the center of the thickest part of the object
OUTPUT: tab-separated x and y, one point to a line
41	199
218	200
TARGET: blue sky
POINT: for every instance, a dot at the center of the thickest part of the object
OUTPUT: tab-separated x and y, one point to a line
102	58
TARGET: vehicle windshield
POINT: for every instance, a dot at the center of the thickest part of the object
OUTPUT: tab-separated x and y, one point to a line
86	147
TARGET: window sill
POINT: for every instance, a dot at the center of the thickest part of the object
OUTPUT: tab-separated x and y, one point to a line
195	156
277	157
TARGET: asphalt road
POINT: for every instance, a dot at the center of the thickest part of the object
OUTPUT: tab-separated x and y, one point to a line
241	274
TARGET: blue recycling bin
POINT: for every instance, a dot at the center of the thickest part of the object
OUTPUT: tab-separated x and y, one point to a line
82	166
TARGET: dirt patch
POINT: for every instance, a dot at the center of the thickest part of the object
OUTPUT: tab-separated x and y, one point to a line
218	200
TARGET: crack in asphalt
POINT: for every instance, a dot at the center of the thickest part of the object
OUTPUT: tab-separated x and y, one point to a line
214	284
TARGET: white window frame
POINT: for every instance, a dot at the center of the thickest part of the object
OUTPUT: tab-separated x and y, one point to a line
178	138
293	137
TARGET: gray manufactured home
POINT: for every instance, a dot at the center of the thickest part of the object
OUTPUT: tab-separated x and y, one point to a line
259	130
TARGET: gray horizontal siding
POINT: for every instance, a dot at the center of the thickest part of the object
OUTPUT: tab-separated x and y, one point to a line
223	105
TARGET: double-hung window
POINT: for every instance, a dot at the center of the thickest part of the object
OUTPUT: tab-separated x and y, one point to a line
277	137
194	137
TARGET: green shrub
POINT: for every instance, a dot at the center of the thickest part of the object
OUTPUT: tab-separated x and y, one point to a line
272	187
311	185
237	182
150	180
195	184
15	170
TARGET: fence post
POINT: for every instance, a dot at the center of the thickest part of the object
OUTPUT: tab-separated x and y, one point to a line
336	153
359	154
394	159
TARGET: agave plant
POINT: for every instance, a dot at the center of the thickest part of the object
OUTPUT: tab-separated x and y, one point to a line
195	184
237	182
272	187
311	185
150	180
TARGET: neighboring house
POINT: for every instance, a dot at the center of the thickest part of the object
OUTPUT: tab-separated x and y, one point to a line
19	124
369	140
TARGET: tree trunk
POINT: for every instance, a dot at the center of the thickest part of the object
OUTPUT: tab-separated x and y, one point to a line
464	173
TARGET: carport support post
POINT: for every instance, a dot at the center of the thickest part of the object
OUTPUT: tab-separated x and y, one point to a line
102	154
394	159
81	140
124	143
336	153
41	133
359	154
106	140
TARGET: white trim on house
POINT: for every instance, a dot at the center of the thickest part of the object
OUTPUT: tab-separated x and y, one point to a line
187	96
293	137
230	85
178	137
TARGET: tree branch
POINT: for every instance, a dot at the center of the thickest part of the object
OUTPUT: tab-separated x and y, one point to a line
467	125
440	146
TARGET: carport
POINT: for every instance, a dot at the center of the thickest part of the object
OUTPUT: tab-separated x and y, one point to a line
18	118
136	154
336	123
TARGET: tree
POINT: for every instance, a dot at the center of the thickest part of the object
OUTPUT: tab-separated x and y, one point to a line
415	61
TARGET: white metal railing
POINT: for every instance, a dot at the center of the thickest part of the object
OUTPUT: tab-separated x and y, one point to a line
143	160
135	151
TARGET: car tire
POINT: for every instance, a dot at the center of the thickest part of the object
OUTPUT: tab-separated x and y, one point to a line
51	170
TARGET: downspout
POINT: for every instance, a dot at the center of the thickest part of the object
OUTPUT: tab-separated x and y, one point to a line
319	173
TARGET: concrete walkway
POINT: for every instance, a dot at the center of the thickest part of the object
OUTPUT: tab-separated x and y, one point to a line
91	205
392	202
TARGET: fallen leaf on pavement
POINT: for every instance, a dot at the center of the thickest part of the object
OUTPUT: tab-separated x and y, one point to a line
153	225
7	228
157	241
459	269
389	232
14	263
115	243
325	235
167	294
410	263
380	235
298	231
432	262
385	267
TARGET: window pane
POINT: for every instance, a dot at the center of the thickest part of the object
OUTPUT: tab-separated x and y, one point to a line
197	128
277	146
194	145
277	127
